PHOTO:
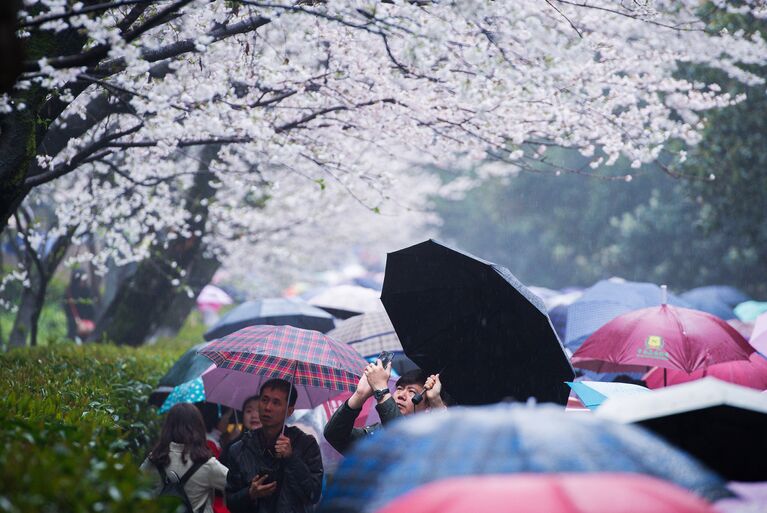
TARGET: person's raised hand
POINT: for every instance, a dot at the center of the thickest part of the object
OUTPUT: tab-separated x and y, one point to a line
258	489
283	448
363	393
433	388
378	375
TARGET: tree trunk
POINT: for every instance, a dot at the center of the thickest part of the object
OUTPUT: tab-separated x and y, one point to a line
33	297
200	274
28	312
148	300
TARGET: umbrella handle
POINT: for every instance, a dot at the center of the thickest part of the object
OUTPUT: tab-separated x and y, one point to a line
417	398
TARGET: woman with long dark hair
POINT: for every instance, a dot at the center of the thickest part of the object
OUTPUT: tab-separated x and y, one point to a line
181	447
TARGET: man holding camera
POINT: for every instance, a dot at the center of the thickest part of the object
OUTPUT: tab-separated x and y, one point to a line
414	392
271	471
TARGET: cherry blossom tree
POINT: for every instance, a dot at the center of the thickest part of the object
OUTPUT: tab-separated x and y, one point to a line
117	98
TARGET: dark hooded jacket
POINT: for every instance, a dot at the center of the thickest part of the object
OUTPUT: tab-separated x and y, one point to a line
299	477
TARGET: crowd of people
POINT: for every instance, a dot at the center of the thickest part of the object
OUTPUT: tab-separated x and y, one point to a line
269	467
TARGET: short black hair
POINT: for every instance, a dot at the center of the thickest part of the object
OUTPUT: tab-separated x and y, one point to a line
412	377
285	386
249	399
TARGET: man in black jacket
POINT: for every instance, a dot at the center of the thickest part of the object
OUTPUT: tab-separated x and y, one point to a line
272	472
340	431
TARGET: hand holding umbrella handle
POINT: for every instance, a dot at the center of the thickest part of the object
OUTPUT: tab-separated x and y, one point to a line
418	397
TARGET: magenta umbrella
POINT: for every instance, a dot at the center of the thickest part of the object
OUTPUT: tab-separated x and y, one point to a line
750	373
662	336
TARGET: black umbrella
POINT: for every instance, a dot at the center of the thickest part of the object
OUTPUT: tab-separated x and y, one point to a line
475	323
721	424
272	312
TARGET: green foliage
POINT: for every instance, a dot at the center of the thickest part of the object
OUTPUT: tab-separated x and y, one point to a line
75	425
565	230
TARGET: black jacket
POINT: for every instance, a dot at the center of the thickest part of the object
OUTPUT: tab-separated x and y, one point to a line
299	477
340	431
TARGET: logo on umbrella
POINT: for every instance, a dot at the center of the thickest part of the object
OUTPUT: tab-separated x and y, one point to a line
653	348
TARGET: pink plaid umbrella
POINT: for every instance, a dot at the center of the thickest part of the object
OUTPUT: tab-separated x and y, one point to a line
661	336
318	366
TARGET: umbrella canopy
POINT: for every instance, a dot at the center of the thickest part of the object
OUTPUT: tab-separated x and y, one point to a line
189	392
750	373
664	336
594	393
474	323
552	493
605	301
368	334
721	424
758	338
717	300
317	365
503	439
275	312
212	296
344	301
191	365
748	311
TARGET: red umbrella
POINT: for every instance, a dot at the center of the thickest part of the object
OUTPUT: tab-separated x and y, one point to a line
552	493
666	336
750	373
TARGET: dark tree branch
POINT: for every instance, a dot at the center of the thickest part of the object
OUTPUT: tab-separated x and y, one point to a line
78	159
98	52
85	10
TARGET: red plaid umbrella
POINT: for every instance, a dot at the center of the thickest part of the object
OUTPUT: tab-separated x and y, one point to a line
319	366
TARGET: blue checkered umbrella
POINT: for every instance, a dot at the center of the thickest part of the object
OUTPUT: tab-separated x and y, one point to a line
189	392
503	439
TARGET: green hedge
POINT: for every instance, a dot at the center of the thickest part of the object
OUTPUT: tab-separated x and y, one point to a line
75	425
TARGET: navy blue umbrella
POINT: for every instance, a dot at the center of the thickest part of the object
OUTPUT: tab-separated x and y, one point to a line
717	300
605	301
504	439
272	312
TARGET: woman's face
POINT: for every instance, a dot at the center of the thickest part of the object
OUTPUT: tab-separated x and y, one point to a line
250	418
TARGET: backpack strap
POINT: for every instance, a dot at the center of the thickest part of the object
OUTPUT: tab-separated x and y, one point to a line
194	468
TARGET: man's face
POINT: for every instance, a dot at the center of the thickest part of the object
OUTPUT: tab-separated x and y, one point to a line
403	396
250	418
272	407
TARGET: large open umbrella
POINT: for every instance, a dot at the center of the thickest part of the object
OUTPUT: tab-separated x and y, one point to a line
664	336
550	493
368	334
275	312
750	373
717	300
318	366
474	323
605	301
503	439
721	424
344	301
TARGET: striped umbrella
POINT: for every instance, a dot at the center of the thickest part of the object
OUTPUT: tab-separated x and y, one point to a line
317	365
